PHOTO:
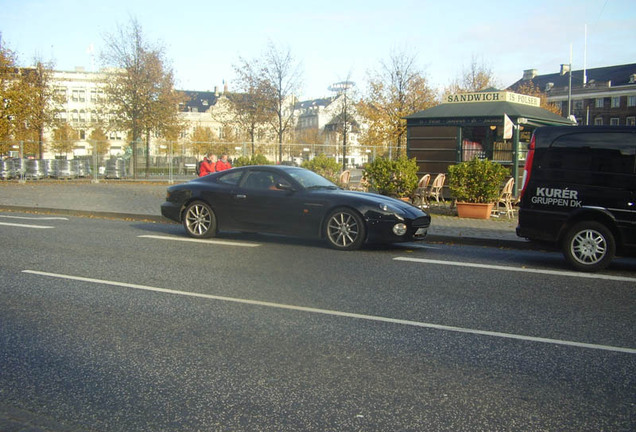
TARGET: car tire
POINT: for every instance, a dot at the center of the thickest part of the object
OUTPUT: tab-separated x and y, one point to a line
344	229
589	246
199	220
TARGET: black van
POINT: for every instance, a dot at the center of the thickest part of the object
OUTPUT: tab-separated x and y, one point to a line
579	192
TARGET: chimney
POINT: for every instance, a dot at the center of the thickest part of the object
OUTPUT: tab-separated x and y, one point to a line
529	74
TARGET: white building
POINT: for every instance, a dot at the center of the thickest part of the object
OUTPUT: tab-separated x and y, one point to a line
318	123
80	92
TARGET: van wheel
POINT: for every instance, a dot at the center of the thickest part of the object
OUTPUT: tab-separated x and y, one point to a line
589	246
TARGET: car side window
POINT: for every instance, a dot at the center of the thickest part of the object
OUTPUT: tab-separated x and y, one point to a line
231	178
262	180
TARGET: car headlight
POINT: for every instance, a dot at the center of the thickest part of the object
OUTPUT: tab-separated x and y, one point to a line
399	229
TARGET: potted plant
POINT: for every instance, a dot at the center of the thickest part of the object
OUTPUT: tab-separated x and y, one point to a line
476	186
325	166
392	177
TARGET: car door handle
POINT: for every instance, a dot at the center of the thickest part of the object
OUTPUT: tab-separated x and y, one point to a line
240	196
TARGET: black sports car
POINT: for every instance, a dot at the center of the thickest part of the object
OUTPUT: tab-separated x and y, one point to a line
291	201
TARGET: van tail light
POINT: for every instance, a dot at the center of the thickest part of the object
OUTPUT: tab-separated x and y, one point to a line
527	169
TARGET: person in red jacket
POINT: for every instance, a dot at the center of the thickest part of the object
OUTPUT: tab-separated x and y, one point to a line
208	165
223	164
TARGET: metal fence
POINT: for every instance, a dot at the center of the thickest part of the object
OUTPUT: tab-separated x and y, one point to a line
169	160
163	160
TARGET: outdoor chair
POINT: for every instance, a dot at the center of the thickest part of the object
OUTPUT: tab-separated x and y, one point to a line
362	186
345	177
421	199
436	188
505	200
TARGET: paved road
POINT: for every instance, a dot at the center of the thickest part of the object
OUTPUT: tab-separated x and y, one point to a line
243	341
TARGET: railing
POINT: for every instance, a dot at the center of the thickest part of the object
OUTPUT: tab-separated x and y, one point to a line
166	159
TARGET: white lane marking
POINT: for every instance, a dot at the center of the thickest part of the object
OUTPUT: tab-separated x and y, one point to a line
339	313
193	240
25	225
34	217
518	269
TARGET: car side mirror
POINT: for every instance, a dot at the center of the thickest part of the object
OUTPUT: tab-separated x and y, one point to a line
284	186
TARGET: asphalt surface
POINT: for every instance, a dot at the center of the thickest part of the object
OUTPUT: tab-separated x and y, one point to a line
141	200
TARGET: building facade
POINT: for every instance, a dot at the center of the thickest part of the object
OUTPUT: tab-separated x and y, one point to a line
80	93
318	124
598	96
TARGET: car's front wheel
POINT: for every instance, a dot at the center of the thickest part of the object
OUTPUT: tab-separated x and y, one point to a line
589	246
199	220
345	230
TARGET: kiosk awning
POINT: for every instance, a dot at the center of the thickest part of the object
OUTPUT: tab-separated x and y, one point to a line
487	107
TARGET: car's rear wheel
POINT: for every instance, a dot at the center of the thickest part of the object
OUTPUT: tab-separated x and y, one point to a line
344	229
199	220
589	246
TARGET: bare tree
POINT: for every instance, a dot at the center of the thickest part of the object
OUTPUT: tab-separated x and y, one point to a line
252	101
282	74
530	89
140	95
397	90
476	78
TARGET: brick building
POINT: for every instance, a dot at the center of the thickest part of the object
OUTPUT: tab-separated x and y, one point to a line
599	96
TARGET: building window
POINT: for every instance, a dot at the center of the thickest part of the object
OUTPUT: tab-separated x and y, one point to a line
598	121
61	92
96	95
631	101
600	102
614	121
578	105
630	121
616	102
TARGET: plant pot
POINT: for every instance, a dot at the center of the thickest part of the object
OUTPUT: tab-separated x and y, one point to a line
474	210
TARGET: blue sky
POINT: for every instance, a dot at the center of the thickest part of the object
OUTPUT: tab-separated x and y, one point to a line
332	40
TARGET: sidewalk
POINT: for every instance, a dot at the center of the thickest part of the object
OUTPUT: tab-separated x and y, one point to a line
141	200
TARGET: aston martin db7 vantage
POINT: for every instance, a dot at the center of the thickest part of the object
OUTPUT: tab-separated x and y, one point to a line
291	201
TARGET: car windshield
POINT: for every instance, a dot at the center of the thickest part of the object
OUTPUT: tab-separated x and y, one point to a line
311	180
